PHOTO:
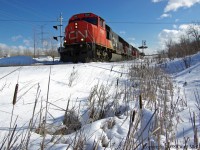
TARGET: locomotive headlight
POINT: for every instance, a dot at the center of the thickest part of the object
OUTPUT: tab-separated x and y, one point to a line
76	25
82	39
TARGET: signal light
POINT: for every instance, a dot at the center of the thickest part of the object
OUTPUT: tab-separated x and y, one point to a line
55	38
55	27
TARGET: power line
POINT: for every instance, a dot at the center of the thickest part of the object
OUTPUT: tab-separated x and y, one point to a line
17	5
115	22
14	20
156	23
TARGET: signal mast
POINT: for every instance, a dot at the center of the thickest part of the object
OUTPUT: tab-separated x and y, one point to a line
143	47
56	37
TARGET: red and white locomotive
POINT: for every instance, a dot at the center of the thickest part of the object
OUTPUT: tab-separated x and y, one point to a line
87	37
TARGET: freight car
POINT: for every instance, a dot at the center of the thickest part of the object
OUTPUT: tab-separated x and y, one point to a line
88	37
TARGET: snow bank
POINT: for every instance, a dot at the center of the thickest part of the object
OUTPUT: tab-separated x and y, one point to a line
178	65
186	83
87	76
48	60
17	60
27	60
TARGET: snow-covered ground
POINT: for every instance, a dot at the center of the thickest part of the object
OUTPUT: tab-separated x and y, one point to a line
187	90
27	60
67	82
17	60
61	83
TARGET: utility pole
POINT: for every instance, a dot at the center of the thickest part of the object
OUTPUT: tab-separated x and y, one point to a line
56	27
42	36
43	39
34	44
61	18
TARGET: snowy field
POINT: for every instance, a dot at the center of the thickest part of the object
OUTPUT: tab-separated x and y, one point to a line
50	88
187	88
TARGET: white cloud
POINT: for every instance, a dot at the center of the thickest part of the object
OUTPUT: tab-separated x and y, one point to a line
186	26
174	34
3	46
177	20
131	39
168	34
175	26
156	1
165	15
182	30
122	32
174	5
5	49
16	38
27	42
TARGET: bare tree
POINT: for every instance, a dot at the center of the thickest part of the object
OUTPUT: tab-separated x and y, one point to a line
184	45
169	46
1	53
193	31
27	52
188	44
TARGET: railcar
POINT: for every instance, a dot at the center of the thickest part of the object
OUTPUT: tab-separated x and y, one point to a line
89	38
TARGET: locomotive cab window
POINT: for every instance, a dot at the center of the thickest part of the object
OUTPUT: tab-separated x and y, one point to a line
101	23
92	20
87	14
75	16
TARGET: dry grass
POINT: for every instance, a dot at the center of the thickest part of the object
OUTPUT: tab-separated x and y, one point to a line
147	86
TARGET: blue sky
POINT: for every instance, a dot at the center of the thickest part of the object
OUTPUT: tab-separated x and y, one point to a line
134	20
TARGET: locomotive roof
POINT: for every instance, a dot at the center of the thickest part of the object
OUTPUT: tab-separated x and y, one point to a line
83	15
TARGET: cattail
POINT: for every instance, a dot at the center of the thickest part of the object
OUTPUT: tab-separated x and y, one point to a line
117	81
140	100
133	116
195	130
15	94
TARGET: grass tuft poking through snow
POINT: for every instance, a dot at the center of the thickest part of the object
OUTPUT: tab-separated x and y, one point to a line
119	105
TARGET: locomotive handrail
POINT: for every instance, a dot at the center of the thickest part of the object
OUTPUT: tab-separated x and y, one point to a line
92	38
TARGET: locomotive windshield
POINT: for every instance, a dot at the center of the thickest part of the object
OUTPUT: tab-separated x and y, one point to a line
92	20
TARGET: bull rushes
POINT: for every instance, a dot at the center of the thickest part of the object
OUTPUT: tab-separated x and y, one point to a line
15	98
14	102
32	118
15	94
12	132
45	119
